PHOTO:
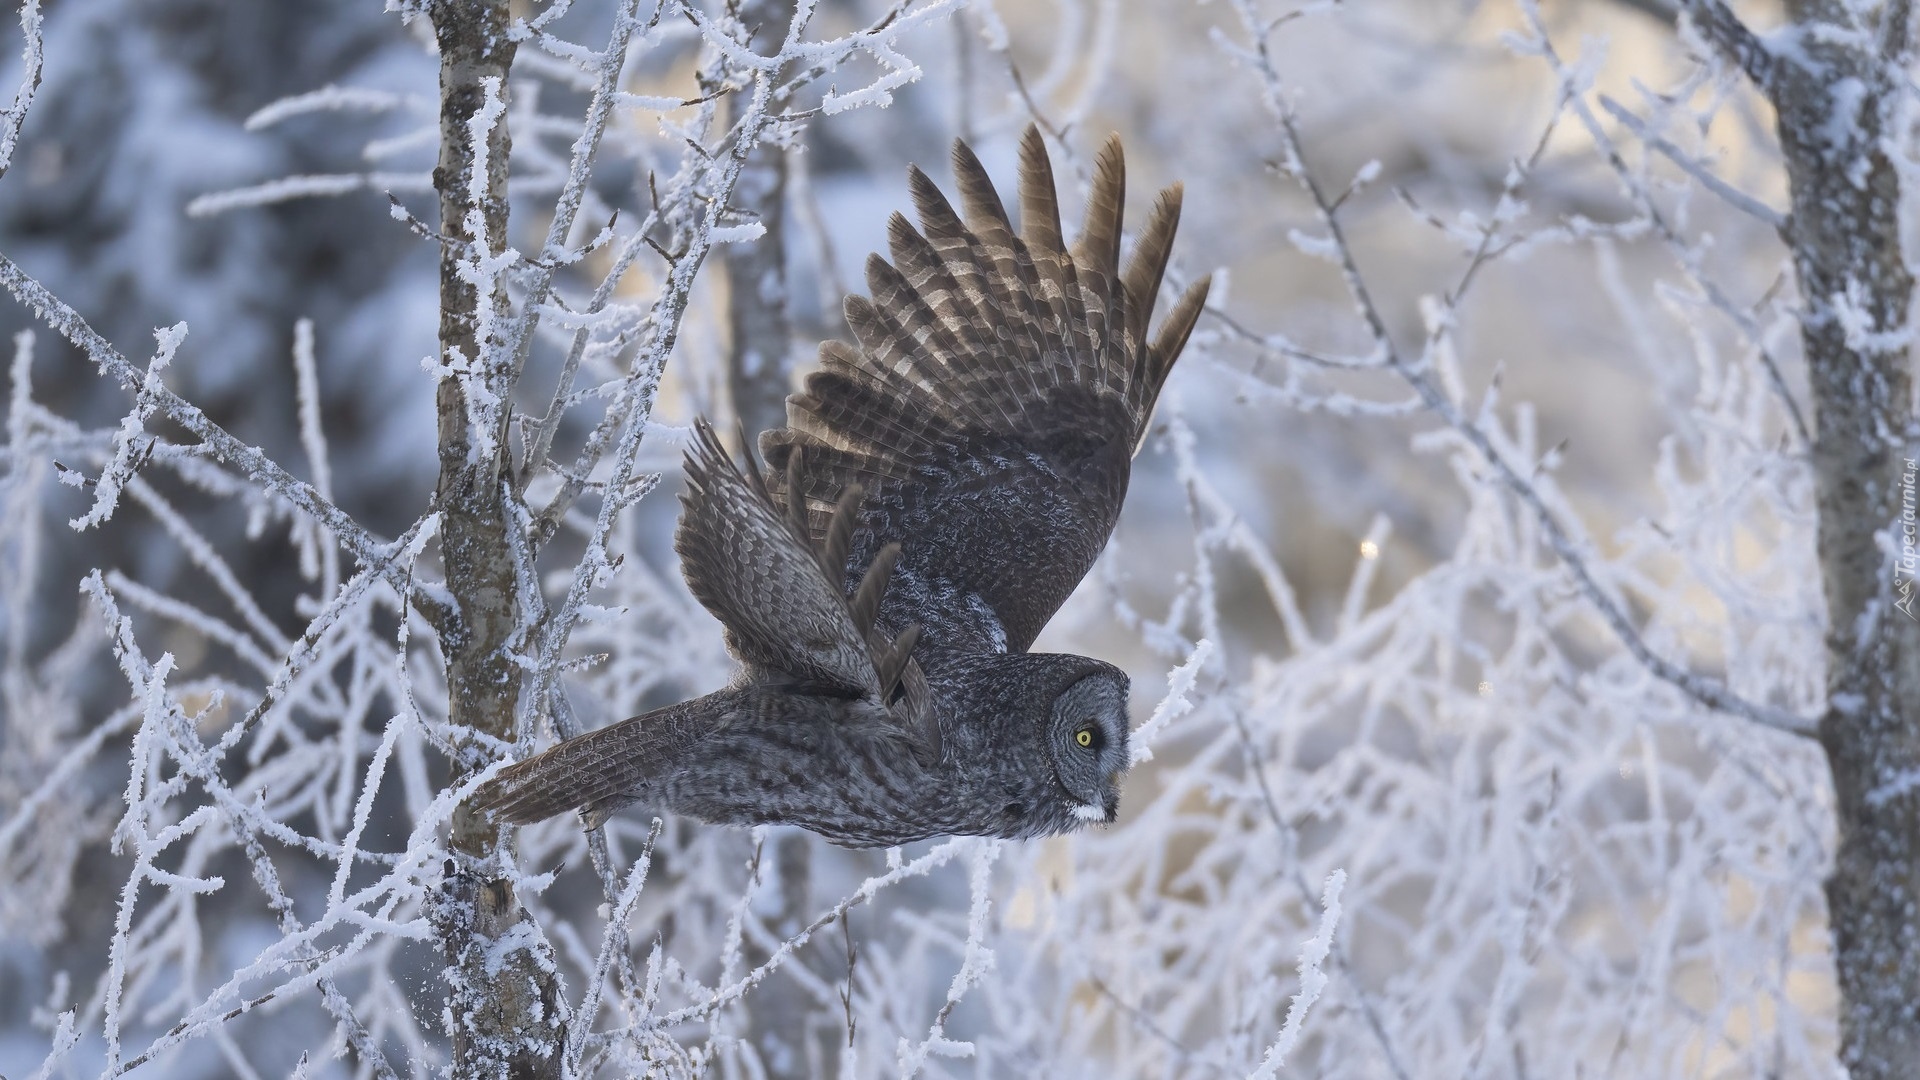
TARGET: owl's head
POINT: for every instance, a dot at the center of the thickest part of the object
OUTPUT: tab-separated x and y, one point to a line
1087	738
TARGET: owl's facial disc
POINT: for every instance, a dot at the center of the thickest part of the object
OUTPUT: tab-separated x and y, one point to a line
1088	740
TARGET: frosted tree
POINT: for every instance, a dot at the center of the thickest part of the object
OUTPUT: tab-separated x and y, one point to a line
501	501
1840	83
1522	544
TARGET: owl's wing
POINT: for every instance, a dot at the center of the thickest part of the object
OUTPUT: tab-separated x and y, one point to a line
779	594
991	411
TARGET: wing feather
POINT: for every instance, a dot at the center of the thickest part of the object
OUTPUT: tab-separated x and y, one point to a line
1165	349
759	572
1040	228
1001	384
1010	267
966	257
1097	253
774	572
938	286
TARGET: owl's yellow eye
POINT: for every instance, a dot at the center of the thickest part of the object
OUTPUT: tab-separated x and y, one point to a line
1084	736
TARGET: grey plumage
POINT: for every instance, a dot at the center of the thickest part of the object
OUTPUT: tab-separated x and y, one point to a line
937	493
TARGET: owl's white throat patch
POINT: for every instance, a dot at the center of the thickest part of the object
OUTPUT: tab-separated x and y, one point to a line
1086	812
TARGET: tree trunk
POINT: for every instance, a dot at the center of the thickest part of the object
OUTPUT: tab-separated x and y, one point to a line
759	375
759	357
1836	100
506	1014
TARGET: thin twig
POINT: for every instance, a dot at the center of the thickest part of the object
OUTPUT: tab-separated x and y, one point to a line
1733	196
1724	30
366	547
1706	691
1688	257
31	57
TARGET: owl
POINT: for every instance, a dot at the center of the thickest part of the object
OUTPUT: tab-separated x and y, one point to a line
936	494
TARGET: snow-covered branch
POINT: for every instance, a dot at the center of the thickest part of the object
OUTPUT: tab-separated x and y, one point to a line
1469	573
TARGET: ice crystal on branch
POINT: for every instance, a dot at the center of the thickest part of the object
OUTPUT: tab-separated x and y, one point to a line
1469	578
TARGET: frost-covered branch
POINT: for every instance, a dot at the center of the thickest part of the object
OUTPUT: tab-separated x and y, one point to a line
1717	22
1734	197
247	460
31	60
1400	692
1843	111
1574	86
1313	953
1572	553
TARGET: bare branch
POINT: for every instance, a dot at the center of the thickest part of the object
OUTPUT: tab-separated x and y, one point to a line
31	59
1664	10
1724	31
1689	257
1733	196
1704	690
250	461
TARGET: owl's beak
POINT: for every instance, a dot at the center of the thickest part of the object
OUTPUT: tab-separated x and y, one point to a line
1102	814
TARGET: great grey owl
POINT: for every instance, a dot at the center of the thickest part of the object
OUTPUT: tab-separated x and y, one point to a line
935	496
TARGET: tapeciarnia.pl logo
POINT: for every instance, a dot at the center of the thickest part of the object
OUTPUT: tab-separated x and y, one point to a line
1904	566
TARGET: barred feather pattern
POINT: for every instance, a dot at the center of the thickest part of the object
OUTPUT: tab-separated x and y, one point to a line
940	488
1000	387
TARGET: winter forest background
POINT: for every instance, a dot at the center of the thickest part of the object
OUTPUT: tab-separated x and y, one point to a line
1477	584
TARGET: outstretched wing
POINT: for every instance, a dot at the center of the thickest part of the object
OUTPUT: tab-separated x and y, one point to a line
787	617
993	406
779	595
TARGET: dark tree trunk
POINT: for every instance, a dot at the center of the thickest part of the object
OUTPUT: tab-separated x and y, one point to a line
760	348
506	1013
1836	99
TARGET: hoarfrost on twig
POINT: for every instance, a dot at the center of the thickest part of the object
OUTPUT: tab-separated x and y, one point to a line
1524	750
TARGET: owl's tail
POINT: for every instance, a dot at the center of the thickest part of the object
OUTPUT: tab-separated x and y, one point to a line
608	766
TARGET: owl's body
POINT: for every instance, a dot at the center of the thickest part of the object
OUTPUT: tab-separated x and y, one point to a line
841	767
935	497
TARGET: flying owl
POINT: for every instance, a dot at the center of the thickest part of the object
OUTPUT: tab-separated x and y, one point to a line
937	493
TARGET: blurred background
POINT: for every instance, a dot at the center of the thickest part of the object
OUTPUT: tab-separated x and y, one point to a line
150	188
